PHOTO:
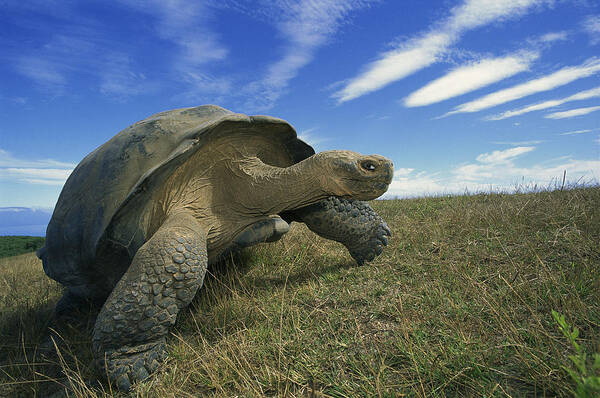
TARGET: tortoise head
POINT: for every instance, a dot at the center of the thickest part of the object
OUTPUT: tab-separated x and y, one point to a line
352	175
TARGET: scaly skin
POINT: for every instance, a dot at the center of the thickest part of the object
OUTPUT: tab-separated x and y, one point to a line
129	335
351	222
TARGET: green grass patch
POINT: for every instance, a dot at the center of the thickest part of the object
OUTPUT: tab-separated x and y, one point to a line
15	245
458	305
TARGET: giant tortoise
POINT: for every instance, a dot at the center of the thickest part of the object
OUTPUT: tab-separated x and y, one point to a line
142	216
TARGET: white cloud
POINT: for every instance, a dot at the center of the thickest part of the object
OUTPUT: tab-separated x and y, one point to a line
417	184
552	37
13	209
117	78
403	171
395	65
582	95
80	46
505	175
36	176
44	72
591	25
306	25
470	77
187	24
45	171
70	51
51	174
559	78
518	143
426	49
475	13
311	138
576	132
8	160
503	156
508	174
572	113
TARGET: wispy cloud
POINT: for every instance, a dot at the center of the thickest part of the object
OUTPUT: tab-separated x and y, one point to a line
549	38
518	143
37	176
426	49
554	36
43	171
559	78
395	65
470	77
79	51
496	157
576	132
591	25
80	45
188	26
403	171
572	112
51	65
582	95
306	25
46	73
185	24
311	138
8	160
117	78
375	116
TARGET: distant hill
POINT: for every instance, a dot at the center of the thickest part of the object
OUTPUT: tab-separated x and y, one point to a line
15	245
24	221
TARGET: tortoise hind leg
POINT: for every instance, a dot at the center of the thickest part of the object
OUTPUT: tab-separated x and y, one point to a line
351	222
269	229
129	335
71	305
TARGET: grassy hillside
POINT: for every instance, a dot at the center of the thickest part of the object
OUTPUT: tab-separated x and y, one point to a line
15	245
459	305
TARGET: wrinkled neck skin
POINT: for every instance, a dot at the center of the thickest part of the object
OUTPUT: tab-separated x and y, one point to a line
272	190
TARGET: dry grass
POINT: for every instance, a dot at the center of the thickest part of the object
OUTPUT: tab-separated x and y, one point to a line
458	305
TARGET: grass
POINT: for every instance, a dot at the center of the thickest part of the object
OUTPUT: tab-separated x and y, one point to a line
459	305
15	245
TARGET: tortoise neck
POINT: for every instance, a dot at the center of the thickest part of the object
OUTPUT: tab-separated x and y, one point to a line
277	189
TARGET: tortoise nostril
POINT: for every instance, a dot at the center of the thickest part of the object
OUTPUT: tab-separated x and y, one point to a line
368	165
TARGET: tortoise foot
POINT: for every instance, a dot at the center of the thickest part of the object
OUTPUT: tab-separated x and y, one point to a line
373	245
128	365
351	222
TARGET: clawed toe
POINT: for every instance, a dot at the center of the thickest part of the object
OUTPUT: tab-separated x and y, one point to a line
128	365
387	229
374	246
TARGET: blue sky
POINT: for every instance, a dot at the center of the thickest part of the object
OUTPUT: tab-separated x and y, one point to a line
475	94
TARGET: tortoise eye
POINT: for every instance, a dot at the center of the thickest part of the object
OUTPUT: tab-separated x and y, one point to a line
368	165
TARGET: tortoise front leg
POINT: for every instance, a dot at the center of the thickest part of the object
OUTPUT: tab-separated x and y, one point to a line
351	222
129	335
